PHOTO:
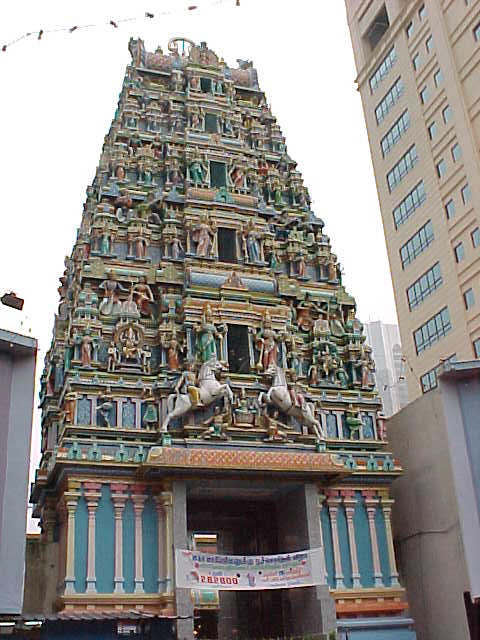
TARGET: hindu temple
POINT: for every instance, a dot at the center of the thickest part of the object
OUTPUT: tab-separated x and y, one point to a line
208	385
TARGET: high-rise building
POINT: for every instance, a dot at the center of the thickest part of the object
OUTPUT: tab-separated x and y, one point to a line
418	65
209	388
389	365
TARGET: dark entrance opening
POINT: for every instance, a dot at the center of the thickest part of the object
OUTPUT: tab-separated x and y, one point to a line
227	245
218	174
243	528
211	123
206	85
238	355
206	625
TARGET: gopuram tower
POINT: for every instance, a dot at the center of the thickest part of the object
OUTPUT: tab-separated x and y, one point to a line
208	384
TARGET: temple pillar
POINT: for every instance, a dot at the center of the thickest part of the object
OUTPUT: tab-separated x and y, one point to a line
386	505
119	500
138	500
349	503
92	496
371	503
162	582
71	501
333	504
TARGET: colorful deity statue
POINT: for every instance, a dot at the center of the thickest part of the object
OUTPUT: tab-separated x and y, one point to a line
207	332
252	242
203	235
267	344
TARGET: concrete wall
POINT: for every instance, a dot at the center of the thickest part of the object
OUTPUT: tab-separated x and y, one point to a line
426	522
17	370
41	570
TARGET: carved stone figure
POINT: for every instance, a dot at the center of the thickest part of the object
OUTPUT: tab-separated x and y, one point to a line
110	303
143	297
86	349
217	425
274	433
203	235
206	347
198	172
266	340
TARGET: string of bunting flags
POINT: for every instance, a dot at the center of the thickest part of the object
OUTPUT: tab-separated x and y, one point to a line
115	23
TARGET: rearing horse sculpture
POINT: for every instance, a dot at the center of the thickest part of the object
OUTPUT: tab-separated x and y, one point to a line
209	390
279	395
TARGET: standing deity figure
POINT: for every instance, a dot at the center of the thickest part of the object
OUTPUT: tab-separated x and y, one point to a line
175	247
110	303
172	347
266	341
105	240
86	349
143	297
203	235
112	357
337	326
206	333
175	174
217	425
252	239
301	266
198	171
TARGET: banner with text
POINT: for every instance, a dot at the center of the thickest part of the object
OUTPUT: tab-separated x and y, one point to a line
197	570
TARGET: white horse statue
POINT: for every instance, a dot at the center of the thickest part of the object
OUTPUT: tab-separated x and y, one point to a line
279	395
209	391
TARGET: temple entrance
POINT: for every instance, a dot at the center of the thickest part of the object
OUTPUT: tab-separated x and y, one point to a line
241	528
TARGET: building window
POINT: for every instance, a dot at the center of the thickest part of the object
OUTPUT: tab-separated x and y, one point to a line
211	123
456	152
429	44
389	100
218	174
394	134
438	77
383	69
441	168
469	298
409	30
403	166
424	95
450	209
227	245
476	347
377	28
447	114
429	380
459	252
434	329
422	12
416	61
476	32
475	237
416	244
466	193
409	204
432	130
424	286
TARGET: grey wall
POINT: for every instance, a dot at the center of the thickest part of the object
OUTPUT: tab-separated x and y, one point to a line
17	370
426	521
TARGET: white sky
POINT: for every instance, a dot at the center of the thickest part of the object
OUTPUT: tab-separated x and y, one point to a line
59	96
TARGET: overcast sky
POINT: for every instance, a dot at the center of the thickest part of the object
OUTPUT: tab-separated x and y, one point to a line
59	96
